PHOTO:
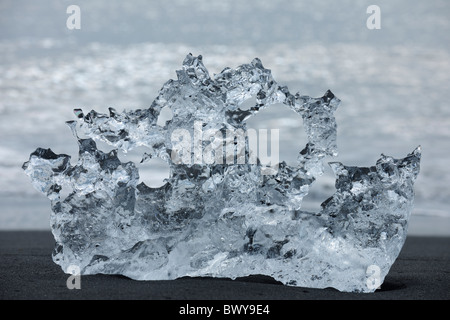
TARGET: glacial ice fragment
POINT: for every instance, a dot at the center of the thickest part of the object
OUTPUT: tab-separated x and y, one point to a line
222	215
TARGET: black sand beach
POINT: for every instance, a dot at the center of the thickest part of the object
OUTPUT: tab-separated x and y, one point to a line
422	272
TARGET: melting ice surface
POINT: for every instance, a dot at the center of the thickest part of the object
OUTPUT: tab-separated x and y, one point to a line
223	219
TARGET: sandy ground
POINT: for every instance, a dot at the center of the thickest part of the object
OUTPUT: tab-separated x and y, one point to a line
421	272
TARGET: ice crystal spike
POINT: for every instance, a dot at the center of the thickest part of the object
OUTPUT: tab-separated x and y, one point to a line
222	215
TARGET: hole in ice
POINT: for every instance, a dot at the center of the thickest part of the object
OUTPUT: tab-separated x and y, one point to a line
65	192
247	104
292	137
320	190
153	172
164	116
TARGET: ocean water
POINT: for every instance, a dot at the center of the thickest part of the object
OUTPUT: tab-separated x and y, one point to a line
393	82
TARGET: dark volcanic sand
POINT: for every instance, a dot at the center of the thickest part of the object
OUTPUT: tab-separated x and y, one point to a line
27	271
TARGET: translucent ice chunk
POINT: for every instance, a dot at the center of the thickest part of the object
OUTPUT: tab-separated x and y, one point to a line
222	212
